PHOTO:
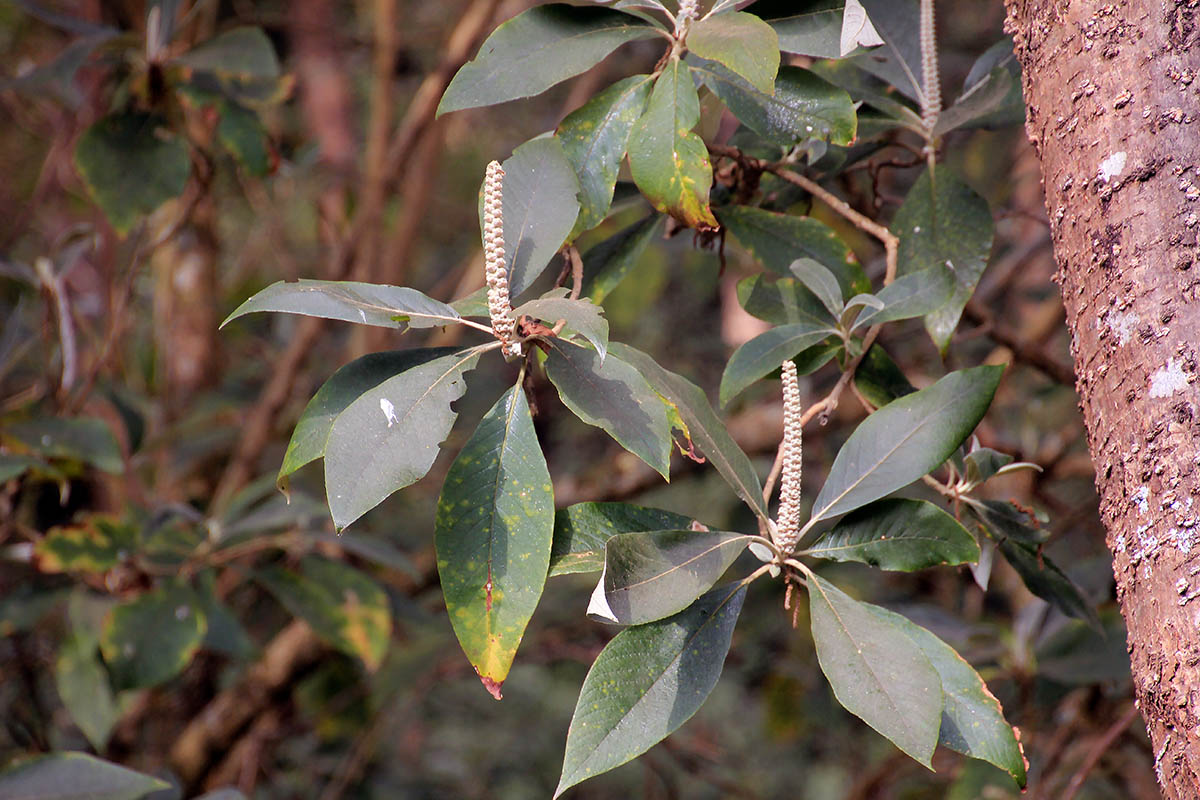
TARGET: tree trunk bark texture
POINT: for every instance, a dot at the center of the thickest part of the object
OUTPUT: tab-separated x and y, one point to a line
1113	98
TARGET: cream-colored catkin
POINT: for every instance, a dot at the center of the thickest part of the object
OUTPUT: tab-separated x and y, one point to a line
688	11
787	522
499	303
931	91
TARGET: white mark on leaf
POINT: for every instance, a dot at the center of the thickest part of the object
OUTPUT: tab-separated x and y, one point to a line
389	411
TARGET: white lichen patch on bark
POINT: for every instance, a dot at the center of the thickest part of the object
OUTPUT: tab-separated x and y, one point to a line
1122	325
1168	380
1112	166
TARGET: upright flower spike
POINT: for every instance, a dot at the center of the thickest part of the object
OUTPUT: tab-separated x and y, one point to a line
787	523
688	11
499	304
931	108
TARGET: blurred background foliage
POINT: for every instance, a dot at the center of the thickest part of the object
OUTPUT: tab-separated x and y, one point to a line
138	447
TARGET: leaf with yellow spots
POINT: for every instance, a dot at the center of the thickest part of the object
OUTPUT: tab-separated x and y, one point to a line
97	544
152	638
344	607
495	525
670	163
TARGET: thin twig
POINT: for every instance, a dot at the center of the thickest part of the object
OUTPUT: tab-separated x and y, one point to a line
1098	750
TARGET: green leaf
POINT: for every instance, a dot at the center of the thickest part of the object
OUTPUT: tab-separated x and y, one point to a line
594	138
351	301
898	60
86	439
1045	579
912	295
876	671
583	317
606	264
96	544
850	75
581	530
344	387
972	721
898	534
815	29
781	301
388	438
132	164
1007	520
741	42
75	776
803	106
151	639
14	466
243	52
612	395
765	353
879	379
821	282
777	240
944	223
653	574
980	101
904	440
541	205
345	608
241	132
704	426
669	163
495	523
539	48
983	463
648	681
83	686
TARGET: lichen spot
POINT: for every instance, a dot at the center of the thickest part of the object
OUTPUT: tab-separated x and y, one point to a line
389	411
1112	166
1168	380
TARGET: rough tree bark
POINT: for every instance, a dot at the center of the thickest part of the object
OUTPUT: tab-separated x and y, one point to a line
1113	110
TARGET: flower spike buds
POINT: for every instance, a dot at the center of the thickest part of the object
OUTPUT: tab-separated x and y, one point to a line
499	304
688	11
788	522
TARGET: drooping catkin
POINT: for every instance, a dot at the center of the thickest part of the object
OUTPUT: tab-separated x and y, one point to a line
499	303
787	522
931	90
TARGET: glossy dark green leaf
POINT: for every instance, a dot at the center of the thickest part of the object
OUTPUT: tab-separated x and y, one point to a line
83	687
808	29
1009	521
153	637
972	721
742	43
594	138
350	301
879	379
343	388
912	295
944	223
1045	579
646	682
898	534
983	463
669	163
614	396
777	240
781	301
75	776
653	574
582	317
495	524
865	87
764	353
905	439
541	205
877	672
539	48
606	264
706	428
96	544
804	105
388	438
132	164
821	282
243	52
581	530
345	608
86	439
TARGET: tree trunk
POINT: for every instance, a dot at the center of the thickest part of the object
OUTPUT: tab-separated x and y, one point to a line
1113	109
